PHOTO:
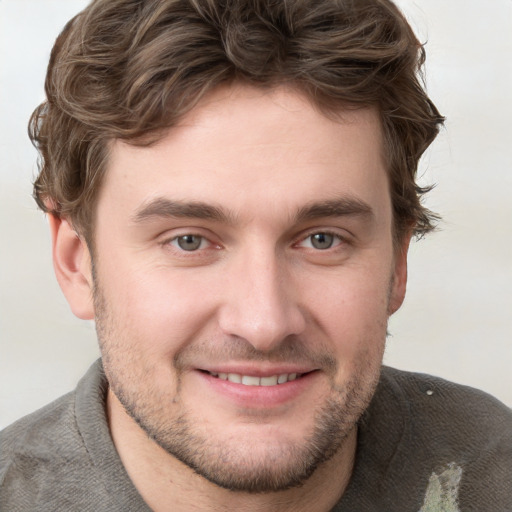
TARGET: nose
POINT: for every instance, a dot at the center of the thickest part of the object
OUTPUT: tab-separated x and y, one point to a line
260	302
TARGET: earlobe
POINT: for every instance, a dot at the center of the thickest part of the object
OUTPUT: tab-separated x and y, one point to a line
72	264
399	284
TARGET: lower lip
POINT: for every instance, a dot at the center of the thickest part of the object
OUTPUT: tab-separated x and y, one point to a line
260	397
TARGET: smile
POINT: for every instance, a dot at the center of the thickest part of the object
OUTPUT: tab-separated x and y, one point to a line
250	380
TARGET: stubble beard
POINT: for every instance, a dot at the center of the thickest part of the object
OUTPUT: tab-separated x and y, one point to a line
231	463
232	466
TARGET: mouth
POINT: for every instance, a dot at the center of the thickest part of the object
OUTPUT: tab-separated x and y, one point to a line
260	389
253	380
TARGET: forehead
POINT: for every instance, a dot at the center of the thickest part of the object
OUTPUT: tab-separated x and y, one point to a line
253	151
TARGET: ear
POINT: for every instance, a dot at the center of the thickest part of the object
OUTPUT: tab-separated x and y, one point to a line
399	284
72	264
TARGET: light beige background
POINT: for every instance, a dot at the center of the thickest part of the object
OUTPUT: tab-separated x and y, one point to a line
457	318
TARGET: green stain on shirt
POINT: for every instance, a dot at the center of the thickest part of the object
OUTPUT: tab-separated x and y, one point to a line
443	490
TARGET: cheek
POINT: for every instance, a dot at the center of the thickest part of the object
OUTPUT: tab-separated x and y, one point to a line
155	311
351	308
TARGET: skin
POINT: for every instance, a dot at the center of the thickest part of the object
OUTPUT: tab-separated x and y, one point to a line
258	295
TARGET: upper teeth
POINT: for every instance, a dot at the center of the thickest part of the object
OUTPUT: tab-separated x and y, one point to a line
249	380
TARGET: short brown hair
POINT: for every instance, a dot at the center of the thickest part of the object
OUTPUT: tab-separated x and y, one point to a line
129	69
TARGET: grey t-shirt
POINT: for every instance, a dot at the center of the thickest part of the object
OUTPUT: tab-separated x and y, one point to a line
424	445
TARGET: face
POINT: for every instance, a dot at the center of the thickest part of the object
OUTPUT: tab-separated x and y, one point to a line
244	275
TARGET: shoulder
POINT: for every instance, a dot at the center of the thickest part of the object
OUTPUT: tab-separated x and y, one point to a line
39	433
62	457
436	401
455	432
44	461
35	452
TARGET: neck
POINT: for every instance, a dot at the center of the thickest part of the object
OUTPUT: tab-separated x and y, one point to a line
167	484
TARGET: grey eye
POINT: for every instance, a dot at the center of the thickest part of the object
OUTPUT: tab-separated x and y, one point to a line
189	242
322	240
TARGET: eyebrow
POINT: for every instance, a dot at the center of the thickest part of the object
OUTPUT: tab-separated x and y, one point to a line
340	207
165	208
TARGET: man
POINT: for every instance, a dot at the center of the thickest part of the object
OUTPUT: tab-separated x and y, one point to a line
231	194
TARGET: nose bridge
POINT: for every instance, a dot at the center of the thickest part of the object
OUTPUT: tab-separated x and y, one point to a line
260	303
